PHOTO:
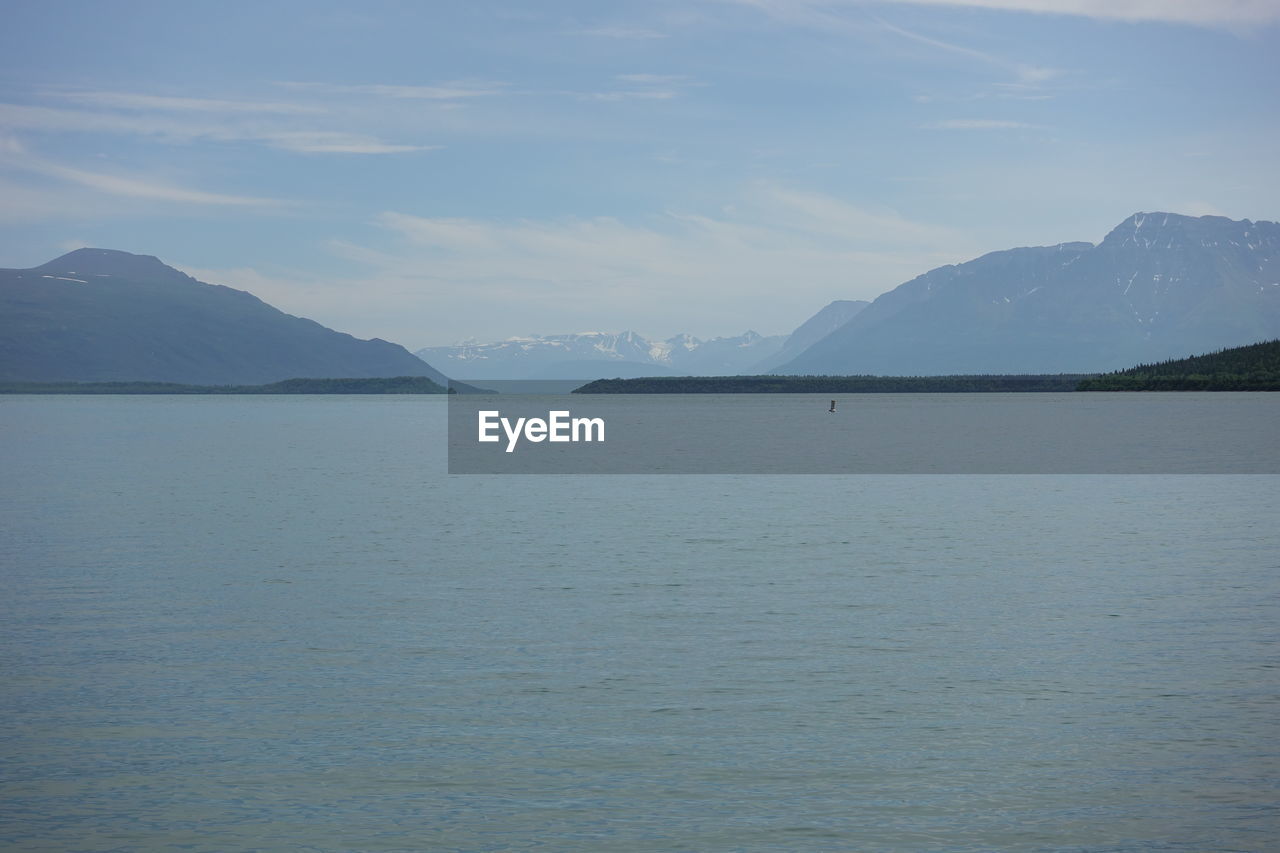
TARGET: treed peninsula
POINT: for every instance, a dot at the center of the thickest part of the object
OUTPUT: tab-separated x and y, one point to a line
829	384
1249	368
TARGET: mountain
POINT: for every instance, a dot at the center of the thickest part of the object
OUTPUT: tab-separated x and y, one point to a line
591	355
580	368
721	356
98	315
1158	286
808	333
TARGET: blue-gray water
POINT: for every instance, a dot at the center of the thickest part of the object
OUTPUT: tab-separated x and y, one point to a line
274	623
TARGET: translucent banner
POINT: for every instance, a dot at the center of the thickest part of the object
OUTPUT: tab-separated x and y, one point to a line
541	428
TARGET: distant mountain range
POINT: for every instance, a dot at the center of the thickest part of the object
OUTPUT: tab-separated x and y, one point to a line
595	355
589	355
1159	286
98	315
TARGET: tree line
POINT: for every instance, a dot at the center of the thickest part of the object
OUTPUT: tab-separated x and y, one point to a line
976	383
1249	368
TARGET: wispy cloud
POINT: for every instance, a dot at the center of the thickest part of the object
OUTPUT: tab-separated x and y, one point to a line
833	16
777	252
631	95
317	142
16	157
1209	13
191	124
1025	73
1019	92
56	119
142	188
660	87
1205	13
165	103
450	91
979	124
652	79
618	32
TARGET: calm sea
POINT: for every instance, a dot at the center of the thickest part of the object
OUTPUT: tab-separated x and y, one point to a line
275	623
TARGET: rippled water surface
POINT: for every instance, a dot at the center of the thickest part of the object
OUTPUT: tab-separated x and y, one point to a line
275	623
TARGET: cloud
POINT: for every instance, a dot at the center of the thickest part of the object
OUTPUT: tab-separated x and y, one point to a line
146	102
652	79
778	253
451	91
631	95
826	16
1205	13
979	124
659	87
147	189
15	156
1019	92
312	142
185	130
1025	73
619	32
55	119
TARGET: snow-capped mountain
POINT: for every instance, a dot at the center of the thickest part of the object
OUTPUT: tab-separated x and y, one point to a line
589	355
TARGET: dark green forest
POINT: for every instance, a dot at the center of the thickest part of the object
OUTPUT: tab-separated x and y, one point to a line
1249	368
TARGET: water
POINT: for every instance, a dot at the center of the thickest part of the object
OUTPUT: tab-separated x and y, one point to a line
275	623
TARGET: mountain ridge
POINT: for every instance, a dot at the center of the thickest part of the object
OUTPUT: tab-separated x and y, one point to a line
99	315
1158	285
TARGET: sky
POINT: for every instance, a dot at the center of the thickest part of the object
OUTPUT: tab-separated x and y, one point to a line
429	172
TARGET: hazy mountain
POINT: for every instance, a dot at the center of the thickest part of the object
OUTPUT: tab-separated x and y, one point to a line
724	356
103	315
596	369
1158	286
808	333
591	355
